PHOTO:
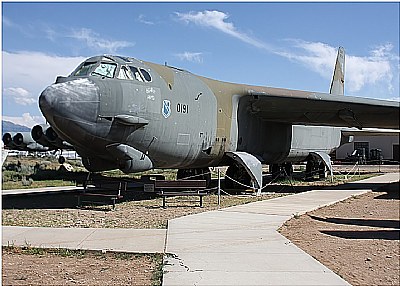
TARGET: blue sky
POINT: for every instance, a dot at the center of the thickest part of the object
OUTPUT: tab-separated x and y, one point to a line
291	45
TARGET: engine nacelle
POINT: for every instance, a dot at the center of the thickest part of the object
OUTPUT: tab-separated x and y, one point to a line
38	134
45	135
24	141
8	139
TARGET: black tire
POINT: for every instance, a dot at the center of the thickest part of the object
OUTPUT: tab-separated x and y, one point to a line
238	174
322	171
61	160
275	170
288	167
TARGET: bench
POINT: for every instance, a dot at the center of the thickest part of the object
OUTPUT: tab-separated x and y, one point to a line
91	198
188	188
95	191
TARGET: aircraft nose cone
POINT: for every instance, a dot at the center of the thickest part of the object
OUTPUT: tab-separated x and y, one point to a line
75	100
46	100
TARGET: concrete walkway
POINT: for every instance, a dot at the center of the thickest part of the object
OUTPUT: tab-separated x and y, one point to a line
104	239
240	245
41	190
233	246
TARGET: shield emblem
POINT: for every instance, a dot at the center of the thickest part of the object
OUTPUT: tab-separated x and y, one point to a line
166	108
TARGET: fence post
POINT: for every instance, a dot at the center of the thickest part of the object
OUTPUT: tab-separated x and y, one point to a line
219	189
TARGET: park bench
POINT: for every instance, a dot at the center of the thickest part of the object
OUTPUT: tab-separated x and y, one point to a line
180	188
97	192
98	199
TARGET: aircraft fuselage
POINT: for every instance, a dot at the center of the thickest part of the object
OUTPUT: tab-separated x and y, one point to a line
116	110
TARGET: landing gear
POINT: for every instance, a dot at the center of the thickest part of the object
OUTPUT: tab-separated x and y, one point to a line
281	170
323	171
195	174
237	178
61	159
314	167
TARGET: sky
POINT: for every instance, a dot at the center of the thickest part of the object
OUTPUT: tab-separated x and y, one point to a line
288	45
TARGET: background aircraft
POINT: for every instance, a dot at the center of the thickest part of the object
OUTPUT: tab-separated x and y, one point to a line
120	112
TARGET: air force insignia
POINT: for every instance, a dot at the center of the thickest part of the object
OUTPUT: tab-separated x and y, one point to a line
166	108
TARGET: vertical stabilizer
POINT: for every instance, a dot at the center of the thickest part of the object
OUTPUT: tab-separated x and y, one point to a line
337	84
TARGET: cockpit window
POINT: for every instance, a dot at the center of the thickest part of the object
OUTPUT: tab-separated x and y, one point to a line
84	69
105	69
124	73
136	73
146	75
140	74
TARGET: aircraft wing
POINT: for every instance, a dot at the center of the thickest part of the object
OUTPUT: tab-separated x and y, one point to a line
308	108
370	132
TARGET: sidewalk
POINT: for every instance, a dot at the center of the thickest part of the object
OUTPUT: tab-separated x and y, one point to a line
104	239
41	190
240	245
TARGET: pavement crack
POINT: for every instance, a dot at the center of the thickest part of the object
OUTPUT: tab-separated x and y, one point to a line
85	238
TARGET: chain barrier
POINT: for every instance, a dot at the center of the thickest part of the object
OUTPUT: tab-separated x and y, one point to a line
194	176
346	175
252	187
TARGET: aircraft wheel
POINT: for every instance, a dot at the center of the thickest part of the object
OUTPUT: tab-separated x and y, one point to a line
61	160
310	168
181	174
288	167
275	171
207	176
238	174
323	172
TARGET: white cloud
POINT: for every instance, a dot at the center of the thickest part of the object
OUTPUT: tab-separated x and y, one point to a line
142	19
379	70
96	42
19	95
190	56
217	20
26	74
360	71
26	119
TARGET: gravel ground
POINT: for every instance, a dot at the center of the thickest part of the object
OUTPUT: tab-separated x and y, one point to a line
38	267
357	238
146	213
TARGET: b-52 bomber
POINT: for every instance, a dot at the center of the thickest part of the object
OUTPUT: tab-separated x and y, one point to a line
123	113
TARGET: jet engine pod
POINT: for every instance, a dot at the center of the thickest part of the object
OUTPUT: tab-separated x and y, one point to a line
51	135
8	139
38	134
130	160
22	139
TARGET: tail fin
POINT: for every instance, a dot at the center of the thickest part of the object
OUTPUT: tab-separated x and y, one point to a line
337	84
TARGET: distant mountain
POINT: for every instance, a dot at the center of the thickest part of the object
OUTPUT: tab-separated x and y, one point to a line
11	127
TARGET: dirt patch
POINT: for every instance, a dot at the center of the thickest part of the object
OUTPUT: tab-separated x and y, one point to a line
143	213
357	238
61	267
